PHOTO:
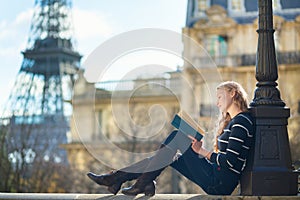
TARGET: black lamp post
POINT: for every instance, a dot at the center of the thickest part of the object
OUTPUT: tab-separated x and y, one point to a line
269	171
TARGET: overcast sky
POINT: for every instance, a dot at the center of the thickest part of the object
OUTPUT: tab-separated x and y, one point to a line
95	21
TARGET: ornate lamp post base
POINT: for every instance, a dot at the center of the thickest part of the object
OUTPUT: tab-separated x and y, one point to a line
270	183
270	170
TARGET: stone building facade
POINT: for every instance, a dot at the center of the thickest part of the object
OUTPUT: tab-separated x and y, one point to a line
108	123
227	30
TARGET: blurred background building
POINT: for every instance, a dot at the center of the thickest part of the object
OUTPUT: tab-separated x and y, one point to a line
227	31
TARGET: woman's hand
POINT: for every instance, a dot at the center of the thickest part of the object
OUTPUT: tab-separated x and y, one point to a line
197	147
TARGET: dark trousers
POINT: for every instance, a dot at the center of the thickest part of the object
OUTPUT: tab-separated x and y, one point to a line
211	178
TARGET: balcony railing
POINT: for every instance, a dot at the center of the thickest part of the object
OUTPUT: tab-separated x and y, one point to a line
140	87
245	60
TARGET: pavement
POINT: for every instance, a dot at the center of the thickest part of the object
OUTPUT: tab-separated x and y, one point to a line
60	196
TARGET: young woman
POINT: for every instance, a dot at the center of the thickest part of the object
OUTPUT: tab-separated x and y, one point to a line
217	173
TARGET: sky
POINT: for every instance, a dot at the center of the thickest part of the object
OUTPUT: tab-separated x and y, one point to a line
94	21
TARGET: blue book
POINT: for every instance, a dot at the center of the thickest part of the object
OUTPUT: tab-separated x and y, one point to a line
185	124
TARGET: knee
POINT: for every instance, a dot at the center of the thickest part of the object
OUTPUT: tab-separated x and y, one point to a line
173	133
170	137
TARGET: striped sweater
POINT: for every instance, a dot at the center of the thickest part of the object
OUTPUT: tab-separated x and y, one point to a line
234	143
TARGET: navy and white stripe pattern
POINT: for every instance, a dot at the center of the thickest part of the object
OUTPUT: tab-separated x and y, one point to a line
234	143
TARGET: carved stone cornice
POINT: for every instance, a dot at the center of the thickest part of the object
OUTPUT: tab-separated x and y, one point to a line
297	19
217	19
278	22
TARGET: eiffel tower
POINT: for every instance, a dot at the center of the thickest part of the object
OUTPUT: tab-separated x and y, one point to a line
35	119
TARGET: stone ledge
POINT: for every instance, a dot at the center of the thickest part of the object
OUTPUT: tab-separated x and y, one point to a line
42	196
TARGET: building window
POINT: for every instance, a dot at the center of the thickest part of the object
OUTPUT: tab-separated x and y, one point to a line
277	41
100	123
202	6
216	45
276	5
100	113
236	5
208	110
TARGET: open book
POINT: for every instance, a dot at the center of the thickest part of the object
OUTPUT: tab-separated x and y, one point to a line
185	124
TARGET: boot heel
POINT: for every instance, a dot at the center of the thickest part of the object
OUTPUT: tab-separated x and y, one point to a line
150	189
114	189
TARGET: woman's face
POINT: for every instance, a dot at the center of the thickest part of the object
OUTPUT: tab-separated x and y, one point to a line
224	100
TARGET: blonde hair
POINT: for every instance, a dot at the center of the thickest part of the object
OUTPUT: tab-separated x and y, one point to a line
239	98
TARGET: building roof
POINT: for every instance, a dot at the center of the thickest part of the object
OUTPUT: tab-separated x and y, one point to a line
288	9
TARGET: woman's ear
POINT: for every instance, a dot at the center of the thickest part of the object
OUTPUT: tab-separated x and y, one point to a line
232	93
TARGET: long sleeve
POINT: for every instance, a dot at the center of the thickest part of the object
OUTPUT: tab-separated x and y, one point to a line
235	144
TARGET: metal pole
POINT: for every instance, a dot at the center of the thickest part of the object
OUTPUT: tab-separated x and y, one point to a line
266	64
269	169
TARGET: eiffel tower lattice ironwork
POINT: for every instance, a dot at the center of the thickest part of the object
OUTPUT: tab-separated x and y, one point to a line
35	119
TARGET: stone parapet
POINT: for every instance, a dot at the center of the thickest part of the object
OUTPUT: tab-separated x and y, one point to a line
43	196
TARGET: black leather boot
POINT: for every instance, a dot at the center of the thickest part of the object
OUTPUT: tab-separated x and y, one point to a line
148	189
115	179
145	183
